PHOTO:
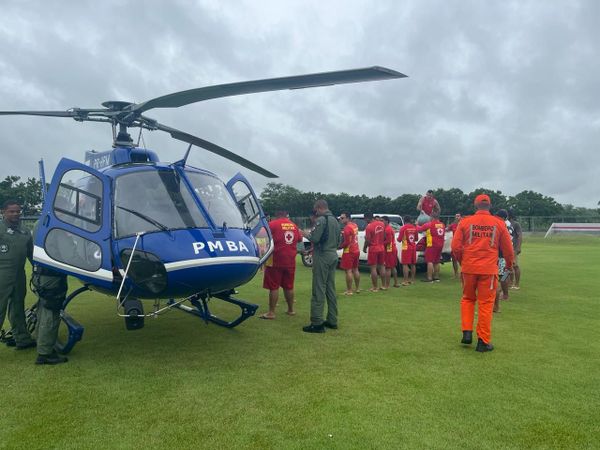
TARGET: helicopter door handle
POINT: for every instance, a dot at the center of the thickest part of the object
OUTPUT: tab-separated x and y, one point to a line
46	220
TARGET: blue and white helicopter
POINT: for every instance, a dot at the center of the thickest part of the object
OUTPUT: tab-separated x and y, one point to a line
130	226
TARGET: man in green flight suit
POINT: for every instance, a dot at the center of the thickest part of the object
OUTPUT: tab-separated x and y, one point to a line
16	246
326	238
51	288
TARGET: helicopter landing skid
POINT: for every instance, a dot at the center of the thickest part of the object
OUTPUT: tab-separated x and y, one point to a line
201	309
74	328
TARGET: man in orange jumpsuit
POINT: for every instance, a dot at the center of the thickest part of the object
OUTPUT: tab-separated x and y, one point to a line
475	246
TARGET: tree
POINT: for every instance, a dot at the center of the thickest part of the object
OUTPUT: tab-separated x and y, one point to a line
529	203
28	193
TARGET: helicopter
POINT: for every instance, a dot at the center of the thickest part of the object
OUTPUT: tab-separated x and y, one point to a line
142	229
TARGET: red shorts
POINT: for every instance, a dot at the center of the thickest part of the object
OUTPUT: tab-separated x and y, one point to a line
349	261
391	259
276	277
409	256
433	254
376	258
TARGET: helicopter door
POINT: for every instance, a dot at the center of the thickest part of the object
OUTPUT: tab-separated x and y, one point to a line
73	233
252	213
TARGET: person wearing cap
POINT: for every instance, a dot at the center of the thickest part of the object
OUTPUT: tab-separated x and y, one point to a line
476	244
452	227
280	268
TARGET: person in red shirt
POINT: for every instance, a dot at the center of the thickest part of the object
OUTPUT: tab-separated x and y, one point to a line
391	254
350	253
374	248
426	206
452	227
408	236
434	235
280	268
476	245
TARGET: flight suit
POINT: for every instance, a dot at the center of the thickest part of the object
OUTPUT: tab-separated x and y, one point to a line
16	246
51	288
326	237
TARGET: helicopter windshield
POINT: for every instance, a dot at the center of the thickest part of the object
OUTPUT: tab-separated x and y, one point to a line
151	200
216	199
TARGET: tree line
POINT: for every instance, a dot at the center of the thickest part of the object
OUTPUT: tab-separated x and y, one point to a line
278	196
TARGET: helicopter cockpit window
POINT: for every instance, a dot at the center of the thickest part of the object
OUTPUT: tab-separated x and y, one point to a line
73	250
216	199
148	201
78	200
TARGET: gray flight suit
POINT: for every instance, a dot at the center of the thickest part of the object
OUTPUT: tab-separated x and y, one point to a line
16	246
326	237
51	288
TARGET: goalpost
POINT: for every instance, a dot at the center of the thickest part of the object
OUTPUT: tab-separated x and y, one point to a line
579	228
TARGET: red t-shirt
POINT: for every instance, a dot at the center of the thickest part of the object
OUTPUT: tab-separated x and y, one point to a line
452	226
389	241
434	232
374	233
285	237
350	235
408	235
427	205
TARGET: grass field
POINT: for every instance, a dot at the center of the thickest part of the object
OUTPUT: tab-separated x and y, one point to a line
393	376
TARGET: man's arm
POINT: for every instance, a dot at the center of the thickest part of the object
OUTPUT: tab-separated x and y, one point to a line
436	207
424	227
457	243
420	204
506	247
315	234
518	237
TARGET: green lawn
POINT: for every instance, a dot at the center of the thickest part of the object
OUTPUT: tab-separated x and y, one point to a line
393	376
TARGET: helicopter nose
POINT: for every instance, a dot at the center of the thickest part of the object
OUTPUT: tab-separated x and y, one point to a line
146	270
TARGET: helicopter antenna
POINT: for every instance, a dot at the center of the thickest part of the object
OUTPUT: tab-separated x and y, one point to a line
182	162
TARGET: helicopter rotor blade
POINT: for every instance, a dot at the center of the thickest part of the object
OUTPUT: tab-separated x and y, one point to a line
214	148
39	113
182	98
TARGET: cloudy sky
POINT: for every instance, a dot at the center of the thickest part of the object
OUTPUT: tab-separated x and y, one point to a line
500	94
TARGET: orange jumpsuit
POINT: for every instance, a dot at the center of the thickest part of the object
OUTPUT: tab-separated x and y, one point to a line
475	246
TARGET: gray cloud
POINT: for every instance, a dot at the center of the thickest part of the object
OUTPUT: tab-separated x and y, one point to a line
500	94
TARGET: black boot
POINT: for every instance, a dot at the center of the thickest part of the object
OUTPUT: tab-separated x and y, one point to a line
314	328
53	358
483	347
330	325
467	337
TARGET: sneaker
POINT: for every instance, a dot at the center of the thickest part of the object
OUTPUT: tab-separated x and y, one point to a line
327	324
314	328
483	347
467	337
25	346
51	359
